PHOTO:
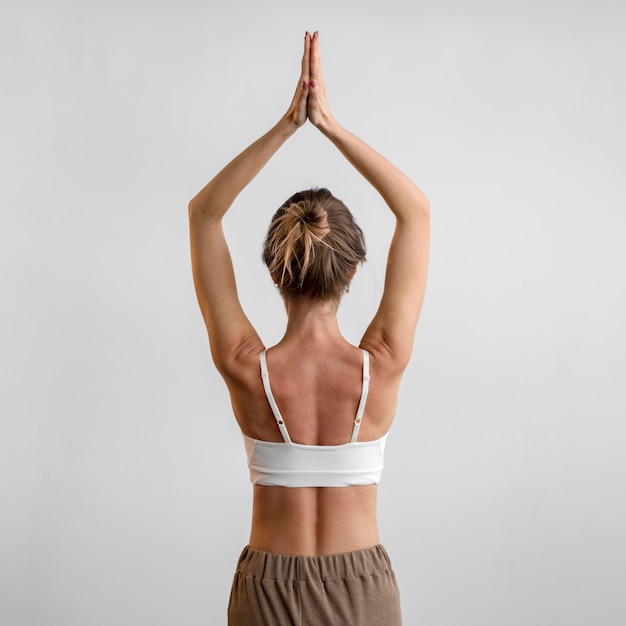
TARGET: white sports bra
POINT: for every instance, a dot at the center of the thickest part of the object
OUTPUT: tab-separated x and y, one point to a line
289	464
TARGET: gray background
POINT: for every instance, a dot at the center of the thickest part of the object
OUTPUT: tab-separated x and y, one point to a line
123	486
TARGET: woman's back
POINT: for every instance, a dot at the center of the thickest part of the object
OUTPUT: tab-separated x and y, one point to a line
317	385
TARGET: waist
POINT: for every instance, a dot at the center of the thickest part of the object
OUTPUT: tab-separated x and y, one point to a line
314	520
291	568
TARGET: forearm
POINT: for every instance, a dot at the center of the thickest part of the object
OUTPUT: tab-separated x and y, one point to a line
218	195
400	193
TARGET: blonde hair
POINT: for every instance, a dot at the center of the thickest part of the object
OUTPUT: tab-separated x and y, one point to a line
313	245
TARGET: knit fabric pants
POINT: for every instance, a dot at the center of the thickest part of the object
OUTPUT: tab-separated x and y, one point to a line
354	588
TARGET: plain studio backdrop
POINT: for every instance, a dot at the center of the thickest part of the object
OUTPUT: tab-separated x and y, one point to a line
124	492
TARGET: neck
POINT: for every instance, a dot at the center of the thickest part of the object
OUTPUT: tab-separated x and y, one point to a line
312	320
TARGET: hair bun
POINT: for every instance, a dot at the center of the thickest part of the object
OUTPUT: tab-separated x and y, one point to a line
313	245
308	216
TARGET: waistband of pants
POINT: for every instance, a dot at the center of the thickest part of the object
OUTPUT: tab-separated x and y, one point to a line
288	568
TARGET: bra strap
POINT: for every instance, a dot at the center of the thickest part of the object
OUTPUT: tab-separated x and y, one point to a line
265	377
364	390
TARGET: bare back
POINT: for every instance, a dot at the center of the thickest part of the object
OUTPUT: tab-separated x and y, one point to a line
317	387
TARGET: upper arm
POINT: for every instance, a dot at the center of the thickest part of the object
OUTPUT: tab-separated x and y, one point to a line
393	328
229	329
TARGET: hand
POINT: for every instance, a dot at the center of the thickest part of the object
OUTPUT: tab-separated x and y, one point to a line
318	110
298	109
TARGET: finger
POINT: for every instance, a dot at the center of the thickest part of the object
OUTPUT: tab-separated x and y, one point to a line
315	60
305	74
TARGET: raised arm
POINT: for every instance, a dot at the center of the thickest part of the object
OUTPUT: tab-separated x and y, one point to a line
230	331
393	327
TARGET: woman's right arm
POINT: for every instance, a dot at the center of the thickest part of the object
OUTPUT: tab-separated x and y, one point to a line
393	327
231	334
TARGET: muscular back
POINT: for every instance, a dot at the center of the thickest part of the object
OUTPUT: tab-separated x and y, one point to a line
317	388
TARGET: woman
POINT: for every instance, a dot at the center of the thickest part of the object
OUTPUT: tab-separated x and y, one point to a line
314	436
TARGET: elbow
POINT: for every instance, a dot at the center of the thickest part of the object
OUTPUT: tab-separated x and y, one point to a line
417	206
197	210
205	208
423	203
192	207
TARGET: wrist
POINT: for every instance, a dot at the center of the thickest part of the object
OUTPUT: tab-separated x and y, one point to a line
329	127
286	126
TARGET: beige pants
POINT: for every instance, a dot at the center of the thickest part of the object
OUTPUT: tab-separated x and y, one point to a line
353	588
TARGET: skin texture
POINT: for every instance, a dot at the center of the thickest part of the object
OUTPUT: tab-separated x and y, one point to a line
315	372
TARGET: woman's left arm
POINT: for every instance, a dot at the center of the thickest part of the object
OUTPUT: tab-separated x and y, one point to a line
230	331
